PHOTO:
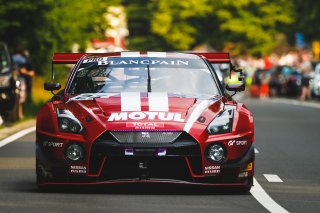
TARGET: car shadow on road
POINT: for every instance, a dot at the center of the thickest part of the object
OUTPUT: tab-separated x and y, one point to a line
136	189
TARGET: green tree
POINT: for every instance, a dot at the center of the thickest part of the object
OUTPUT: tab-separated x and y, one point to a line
173	21
242	26
141	36
307	16
47	26
253	26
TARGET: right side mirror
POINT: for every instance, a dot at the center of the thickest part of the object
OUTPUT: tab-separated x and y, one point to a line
238	87
49	86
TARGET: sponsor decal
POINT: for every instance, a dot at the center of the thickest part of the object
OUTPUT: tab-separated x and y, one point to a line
145	135
160	61
78	169
90	96
52	144
94	59
163	116
211	169
145	125
237	143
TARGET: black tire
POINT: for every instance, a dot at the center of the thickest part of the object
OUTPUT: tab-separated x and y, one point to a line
246	188
40	180
243	190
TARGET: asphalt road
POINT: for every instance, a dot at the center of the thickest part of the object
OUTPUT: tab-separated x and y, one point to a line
287	139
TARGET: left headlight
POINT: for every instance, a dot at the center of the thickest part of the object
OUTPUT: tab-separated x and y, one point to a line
74	153
222	123
68	122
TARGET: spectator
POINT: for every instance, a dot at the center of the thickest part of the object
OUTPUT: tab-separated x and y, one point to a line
26	72
306	68
264	88
20	61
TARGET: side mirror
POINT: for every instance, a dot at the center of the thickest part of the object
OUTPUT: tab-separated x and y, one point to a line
49	86
236	87
240	86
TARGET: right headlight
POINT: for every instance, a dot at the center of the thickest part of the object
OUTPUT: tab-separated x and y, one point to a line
216	153
222	123
68	122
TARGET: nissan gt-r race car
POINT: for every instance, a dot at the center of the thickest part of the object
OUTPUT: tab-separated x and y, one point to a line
157	117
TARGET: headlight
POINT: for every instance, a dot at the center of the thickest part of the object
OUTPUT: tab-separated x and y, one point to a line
216	153
74	153
222	123
68	122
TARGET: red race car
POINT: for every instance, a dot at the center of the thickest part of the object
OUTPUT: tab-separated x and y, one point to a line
128	117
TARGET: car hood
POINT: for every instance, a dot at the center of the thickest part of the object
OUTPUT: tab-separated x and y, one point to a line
144	111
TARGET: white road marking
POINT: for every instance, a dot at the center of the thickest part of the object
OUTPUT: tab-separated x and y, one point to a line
158	101
17	136
256	151
130	101
264	199
273	178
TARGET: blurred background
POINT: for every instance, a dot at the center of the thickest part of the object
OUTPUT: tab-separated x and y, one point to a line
276	42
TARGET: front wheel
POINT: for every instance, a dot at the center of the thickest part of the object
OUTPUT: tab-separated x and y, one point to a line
245	189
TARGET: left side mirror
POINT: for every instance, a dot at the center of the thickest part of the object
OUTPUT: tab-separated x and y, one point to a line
49	86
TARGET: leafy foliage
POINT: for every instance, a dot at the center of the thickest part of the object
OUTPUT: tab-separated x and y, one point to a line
241	26
245	26
307	16
47	26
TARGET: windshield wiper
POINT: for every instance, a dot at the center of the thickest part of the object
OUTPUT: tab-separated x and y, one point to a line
149	78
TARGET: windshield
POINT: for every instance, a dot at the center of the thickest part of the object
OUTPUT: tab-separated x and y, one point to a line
189	76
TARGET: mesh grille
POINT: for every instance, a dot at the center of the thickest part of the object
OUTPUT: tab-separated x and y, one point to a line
145	137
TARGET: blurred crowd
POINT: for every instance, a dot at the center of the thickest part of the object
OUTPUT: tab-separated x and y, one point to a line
294	74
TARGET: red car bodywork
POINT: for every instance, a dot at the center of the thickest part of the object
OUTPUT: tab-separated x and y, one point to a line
107	160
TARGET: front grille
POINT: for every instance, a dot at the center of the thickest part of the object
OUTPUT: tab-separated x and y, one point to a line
184	145
145	137
159	168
